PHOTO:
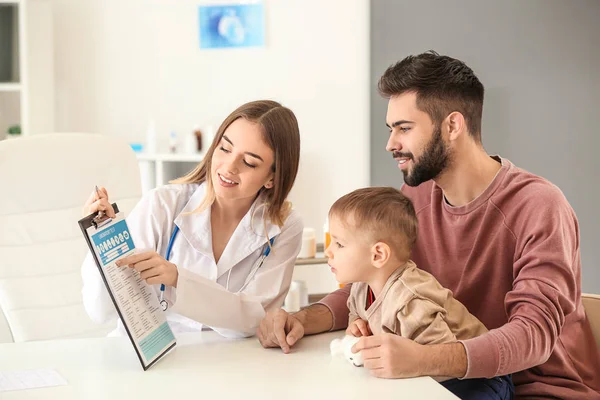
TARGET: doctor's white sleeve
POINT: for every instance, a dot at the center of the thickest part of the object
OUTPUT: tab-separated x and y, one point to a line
96	300
237	315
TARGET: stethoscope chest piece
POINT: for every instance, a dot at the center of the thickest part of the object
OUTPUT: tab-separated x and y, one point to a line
163	305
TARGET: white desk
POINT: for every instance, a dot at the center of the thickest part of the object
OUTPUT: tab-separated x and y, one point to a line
205	366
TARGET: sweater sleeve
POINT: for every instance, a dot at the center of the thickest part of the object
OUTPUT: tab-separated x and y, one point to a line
546	270
337	304
352	310
423	321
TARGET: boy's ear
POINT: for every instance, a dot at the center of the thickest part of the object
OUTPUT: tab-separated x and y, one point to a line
380	254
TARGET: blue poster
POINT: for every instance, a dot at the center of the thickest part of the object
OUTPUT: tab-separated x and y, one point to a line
236	25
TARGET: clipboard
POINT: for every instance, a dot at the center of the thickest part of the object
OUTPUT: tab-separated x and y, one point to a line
135	301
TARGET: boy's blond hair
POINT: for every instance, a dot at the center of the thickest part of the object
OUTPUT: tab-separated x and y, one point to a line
383	213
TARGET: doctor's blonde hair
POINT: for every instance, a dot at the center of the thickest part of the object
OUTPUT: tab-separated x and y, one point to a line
281	134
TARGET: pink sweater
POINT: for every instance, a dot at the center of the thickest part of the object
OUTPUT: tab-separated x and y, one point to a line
511	256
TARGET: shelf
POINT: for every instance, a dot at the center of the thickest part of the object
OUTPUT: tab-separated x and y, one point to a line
10	87
319	259
172	157
158	169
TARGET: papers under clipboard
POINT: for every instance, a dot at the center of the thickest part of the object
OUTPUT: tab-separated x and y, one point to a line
135	301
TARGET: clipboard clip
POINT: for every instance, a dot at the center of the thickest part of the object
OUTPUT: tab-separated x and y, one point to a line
100	220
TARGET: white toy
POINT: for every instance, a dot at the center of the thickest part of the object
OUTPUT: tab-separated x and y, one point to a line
343	347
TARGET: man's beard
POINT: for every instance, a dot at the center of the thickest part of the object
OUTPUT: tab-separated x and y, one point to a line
431	164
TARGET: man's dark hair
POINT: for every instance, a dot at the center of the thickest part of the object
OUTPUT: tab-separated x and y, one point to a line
442	84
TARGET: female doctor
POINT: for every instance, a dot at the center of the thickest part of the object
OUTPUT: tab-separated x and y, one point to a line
223	239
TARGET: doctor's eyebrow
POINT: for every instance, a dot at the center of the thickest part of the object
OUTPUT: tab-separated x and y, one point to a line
398	123
247	152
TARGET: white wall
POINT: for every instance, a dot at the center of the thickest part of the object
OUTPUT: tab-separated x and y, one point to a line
120	63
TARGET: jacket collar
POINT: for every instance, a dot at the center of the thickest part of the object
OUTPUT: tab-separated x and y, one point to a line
388	284
251	233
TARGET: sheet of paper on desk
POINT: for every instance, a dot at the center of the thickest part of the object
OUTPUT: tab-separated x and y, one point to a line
30	379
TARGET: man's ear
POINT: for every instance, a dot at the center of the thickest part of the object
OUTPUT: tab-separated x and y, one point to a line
456	125
380	254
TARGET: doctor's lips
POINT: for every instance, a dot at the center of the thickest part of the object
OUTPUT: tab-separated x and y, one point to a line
226	180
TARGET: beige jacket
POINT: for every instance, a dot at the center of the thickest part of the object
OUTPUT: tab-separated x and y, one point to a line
414	305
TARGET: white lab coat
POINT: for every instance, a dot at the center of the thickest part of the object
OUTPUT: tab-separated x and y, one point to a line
201	299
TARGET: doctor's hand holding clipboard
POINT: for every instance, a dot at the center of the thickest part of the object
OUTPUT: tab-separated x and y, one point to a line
218	245
153	268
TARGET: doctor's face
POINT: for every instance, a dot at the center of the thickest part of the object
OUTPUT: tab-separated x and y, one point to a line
242	163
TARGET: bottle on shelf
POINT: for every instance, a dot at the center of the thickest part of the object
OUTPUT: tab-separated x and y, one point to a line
190	143
151	137
173	142
309	244
292	302
198	135
327	239
326	235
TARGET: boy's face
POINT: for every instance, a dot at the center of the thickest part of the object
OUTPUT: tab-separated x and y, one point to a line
349	253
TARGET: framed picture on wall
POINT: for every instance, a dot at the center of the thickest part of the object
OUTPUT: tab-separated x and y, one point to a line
232	25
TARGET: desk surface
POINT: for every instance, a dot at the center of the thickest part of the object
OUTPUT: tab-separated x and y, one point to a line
204	364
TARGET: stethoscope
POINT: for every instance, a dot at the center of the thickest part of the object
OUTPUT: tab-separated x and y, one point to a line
163	303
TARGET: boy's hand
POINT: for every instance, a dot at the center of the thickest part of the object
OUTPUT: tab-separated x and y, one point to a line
358	328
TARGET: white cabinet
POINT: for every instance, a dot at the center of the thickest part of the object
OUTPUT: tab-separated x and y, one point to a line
26	66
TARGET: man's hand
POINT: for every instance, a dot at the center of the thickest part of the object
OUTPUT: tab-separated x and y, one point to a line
359	327
392	356
280	329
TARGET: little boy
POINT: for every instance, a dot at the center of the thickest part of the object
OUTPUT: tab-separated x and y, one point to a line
373	231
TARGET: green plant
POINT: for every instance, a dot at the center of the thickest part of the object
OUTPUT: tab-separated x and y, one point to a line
14	130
